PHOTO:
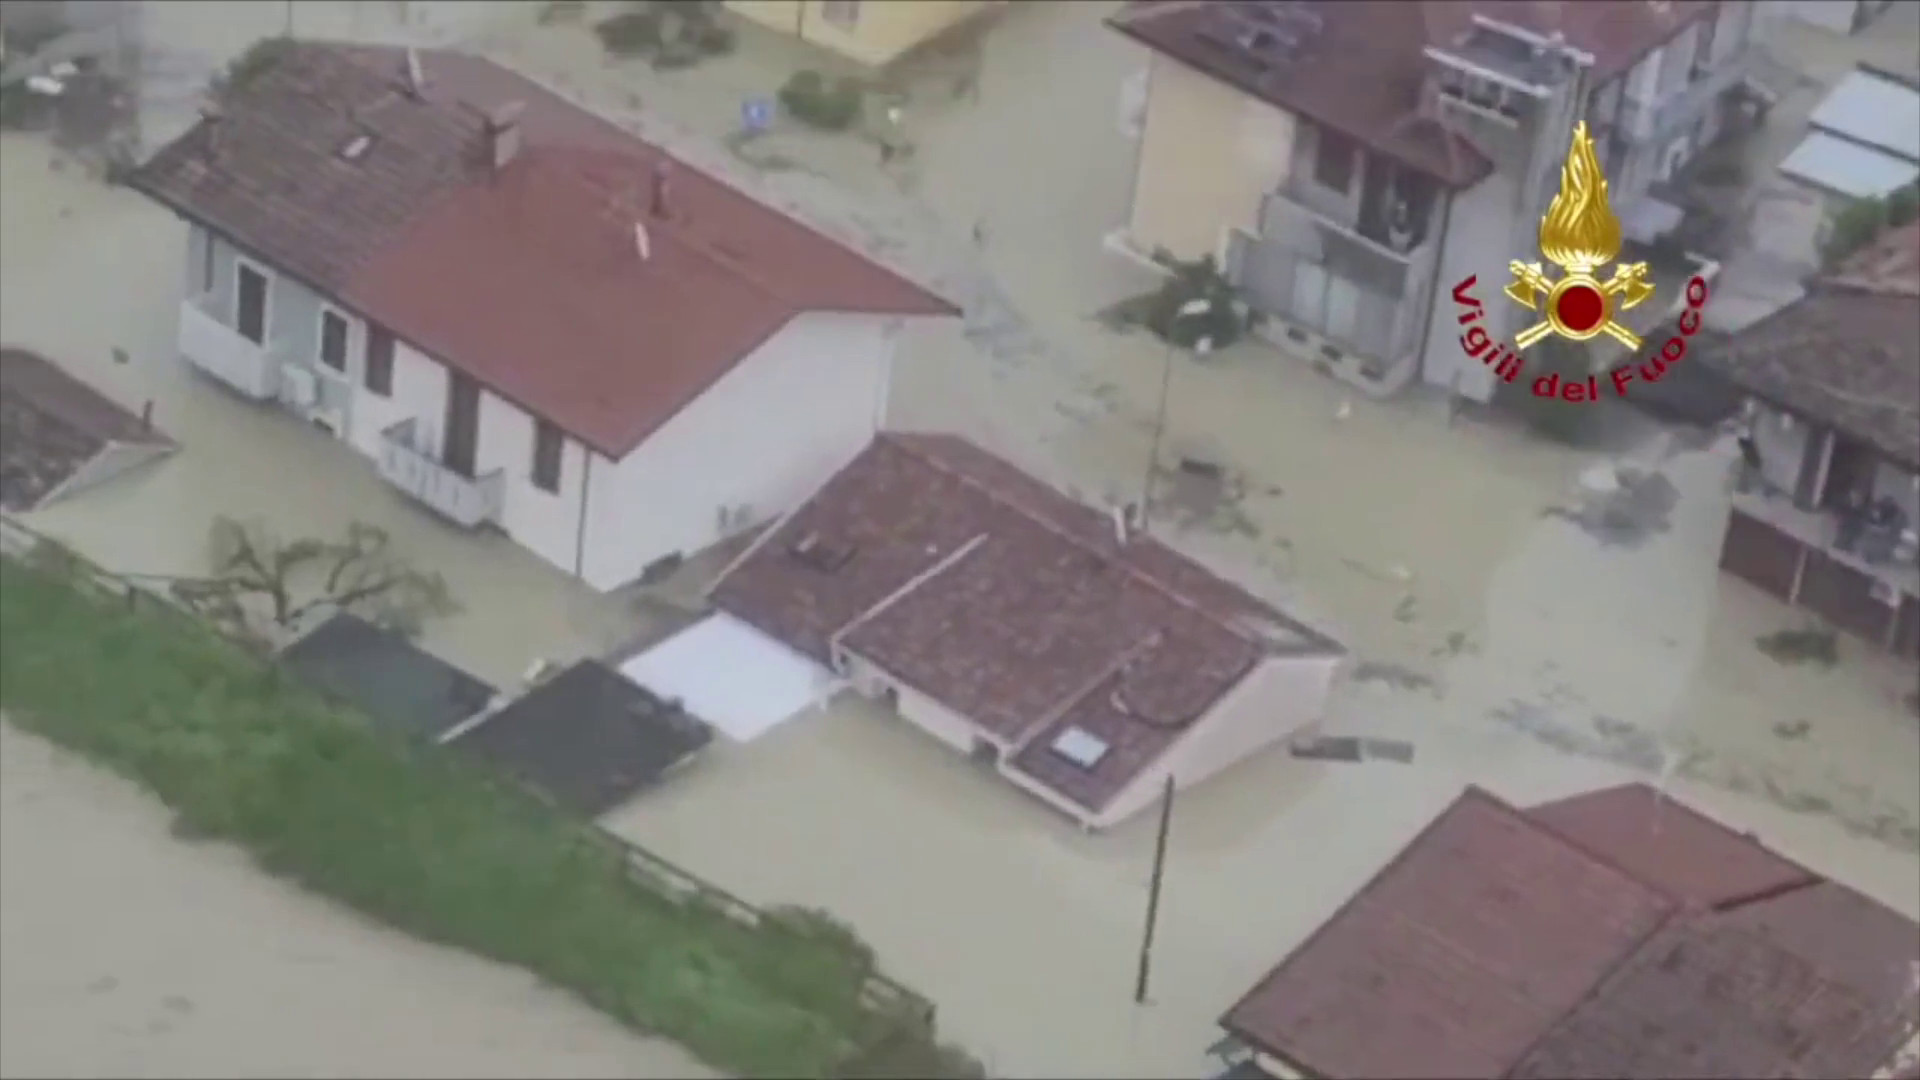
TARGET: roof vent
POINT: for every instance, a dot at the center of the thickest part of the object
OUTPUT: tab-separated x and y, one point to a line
355	148
658	202
1080	746
641	242
820	553
416	78
503	134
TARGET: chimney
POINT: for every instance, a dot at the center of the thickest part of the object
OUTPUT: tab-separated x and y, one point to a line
658	202
1121	531
503	133
212	116
416	79
641	242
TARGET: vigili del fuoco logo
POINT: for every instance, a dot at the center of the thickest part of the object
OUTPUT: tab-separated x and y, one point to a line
1580	235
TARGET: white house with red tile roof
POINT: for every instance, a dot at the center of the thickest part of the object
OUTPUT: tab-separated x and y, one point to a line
1083	663
528	318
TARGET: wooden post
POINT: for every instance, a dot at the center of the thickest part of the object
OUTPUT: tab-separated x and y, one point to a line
1153	893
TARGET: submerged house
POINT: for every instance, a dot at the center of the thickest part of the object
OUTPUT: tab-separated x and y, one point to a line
1083	662
59	436
1347	163
1827	515
524	317
1615	935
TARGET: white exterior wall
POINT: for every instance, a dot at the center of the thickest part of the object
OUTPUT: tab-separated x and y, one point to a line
1277	699
1482	237
922	711
754	445
546	523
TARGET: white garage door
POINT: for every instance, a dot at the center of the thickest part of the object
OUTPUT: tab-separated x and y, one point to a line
732	676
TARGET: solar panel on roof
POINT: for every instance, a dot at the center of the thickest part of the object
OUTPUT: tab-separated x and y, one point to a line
1080	746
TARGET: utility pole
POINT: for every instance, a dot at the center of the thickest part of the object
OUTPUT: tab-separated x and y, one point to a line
1188	310
1153	893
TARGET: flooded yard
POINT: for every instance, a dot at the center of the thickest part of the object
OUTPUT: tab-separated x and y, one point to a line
131	953
1511	645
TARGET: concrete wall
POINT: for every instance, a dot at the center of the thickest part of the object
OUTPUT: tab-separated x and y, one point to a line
879	32
1208	154
1278	698
1483	235
754	445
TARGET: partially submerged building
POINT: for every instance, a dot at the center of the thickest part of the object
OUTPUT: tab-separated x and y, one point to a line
1827	516
526	318
1347	164
59	436
1615	935
1063	650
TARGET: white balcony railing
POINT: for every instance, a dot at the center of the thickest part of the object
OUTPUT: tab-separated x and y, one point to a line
465	501
222	352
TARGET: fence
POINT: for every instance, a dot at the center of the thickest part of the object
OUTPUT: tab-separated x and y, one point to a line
651	872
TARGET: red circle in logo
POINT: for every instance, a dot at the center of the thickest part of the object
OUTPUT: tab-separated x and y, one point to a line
1581	308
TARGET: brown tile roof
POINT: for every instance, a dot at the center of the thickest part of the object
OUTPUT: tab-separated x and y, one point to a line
1848	355
529	279
1671	846
1791	976
52	424
1011	604
1456	957
1363	72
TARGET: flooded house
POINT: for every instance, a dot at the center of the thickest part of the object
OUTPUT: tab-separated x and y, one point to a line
1613	934
1054	644
870	32
1828	507
1347	164
60	436
525	318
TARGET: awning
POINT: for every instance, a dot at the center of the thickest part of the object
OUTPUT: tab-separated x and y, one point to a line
1647	219
1847	168
731	675
1872	110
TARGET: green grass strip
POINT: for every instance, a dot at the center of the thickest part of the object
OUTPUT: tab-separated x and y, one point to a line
424	841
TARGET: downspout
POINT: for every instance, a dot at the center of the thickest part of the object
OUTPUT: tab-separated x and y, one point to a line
580	528
1439	271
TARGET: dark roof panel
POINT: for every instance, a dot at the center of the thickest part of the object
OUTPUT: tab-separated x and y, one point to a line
400	686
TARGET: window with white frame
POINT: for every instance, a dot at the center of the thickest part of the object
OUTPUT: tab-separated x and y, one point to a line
842	13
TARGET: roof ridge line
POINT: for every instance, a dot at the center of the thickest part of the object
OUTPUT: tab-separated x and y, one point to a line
1145	578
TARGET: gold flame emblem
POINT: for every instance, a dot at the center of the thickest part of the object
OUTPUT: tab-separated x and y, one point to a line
1579	234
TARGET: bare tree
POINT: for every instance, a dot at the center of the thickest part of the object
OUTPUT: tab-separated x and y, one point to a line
261	582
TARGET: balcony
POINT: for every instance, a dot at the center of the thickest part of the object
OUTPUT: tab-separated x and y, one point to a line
1885	556
1658	120
463	500
219	350
1383	262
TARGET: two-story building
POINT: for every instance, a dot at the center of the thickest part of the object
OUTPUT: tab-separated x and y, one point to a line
869	32
525	317
1348	163
1826	514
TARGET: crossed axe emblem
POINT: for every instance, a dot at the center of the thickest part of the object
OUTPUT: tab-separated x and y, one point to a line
1533	290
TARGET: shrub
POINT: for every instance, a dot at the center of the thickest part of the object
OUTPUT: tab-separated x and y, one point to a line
1553	418
1186	282
714	39
1860	221
248	66
829	106
630	33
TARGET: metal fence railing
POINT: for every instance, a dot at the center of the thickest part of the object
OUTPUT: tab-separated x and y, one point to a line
651	872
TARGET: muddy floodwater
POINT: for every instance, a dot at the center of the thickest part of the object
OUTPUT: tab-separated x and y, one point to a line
1511	624
131	953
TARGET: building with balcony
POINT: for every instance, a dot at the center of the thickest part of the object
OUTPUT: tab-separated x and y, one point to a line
1348	163
524	317
1826	515
870	32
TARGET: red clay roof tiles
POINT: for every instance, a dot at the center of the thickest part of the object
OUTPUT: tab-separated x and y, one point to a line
529	278
1010	604
1503	943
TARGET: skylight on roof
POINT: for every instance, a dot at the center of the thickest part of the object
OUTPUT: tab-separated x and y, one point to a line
356	148
1080	746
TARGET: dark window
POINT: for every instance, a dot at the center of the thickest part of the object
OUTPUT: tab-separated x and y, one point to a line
251	317
379	361
333	340
1334	160
547	444
206	262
